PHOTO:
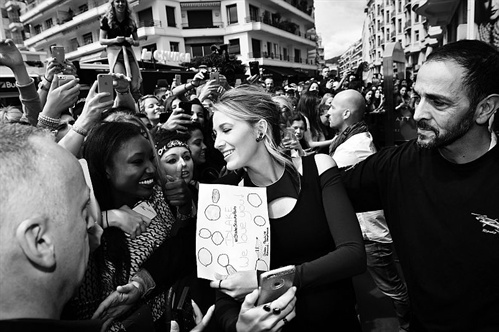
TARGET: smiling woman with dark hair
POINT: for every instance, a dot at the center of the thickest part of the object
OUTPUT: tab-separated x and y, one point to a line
121	162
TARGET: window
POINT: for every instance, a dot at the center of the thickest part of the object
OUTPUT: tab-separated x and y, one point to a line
87	38
37	28
399	6
416	18
200	19
416	35
297	55
285	54
200	50
379	9
174	47
83	8
49	23
170	16
145	18
234	46
399	25
232	14
256	46
73	44
254	13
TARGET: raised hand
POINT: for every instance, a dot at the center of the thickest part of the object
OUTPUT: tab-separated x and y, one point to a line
178	121
9	54
60	98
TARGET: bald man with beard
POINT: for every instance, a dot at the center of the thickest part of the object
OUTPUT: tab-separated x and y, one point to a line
440	192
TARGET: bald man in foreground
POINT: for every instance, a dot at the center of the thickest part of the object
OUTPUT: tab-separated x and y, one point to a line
353	144
45	221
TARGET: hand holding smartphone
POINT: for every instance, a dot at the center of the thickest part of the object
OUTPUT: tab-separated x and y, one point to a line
276	282
105	84
63	79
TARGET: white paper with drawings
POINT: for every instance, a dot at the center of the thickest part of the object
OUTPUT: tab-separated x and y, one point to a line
233	231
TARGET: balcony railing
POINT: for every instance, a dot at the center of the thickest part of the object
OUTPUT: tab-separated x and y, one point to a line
214	26
301	6
280	57
149	23
282	25
408	24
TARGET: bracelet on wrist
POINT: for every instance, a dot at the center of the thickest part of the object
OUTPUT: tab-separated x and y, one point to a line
46	79
83	132
48	122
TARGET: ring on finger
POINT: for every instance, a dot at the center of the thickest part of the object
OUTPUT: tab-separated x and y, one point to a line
285	321
276	311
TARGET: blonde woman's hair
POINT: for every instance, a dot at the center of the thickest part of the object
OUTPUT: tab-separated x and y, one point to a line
111	15
252	104
11	114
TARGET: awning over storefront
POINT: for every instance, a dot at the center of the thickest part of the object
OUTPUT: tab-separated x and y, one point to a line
95	57
283	71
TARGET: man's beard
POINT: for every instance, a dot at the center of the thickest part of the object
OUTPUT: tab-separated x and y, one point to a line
454	133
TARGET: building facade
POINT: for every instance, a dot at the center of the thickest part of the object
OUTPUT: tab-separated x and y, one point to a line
350	59
389	21
278	34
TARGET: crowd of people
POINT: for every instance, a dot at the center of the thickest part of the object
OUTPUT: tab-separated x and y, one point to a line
98	209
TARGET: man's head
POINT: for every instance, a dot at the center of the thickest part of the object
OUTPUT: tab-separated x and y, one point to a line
456	92
269	84
325	72
347	108
43	224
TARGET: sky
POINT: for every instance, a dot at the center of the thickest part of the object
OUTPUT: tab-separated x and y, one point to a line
339	23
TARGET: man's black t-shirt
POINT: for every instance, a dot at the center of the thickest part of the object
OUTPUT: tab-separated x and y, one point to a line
444	219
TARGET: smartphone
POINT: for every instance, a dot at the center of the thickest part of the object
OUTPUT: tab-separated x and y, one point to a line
289	133
254	68
163	117
186	106
105	84
274	283
215	76
59	54
145	209
178	79
63	79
